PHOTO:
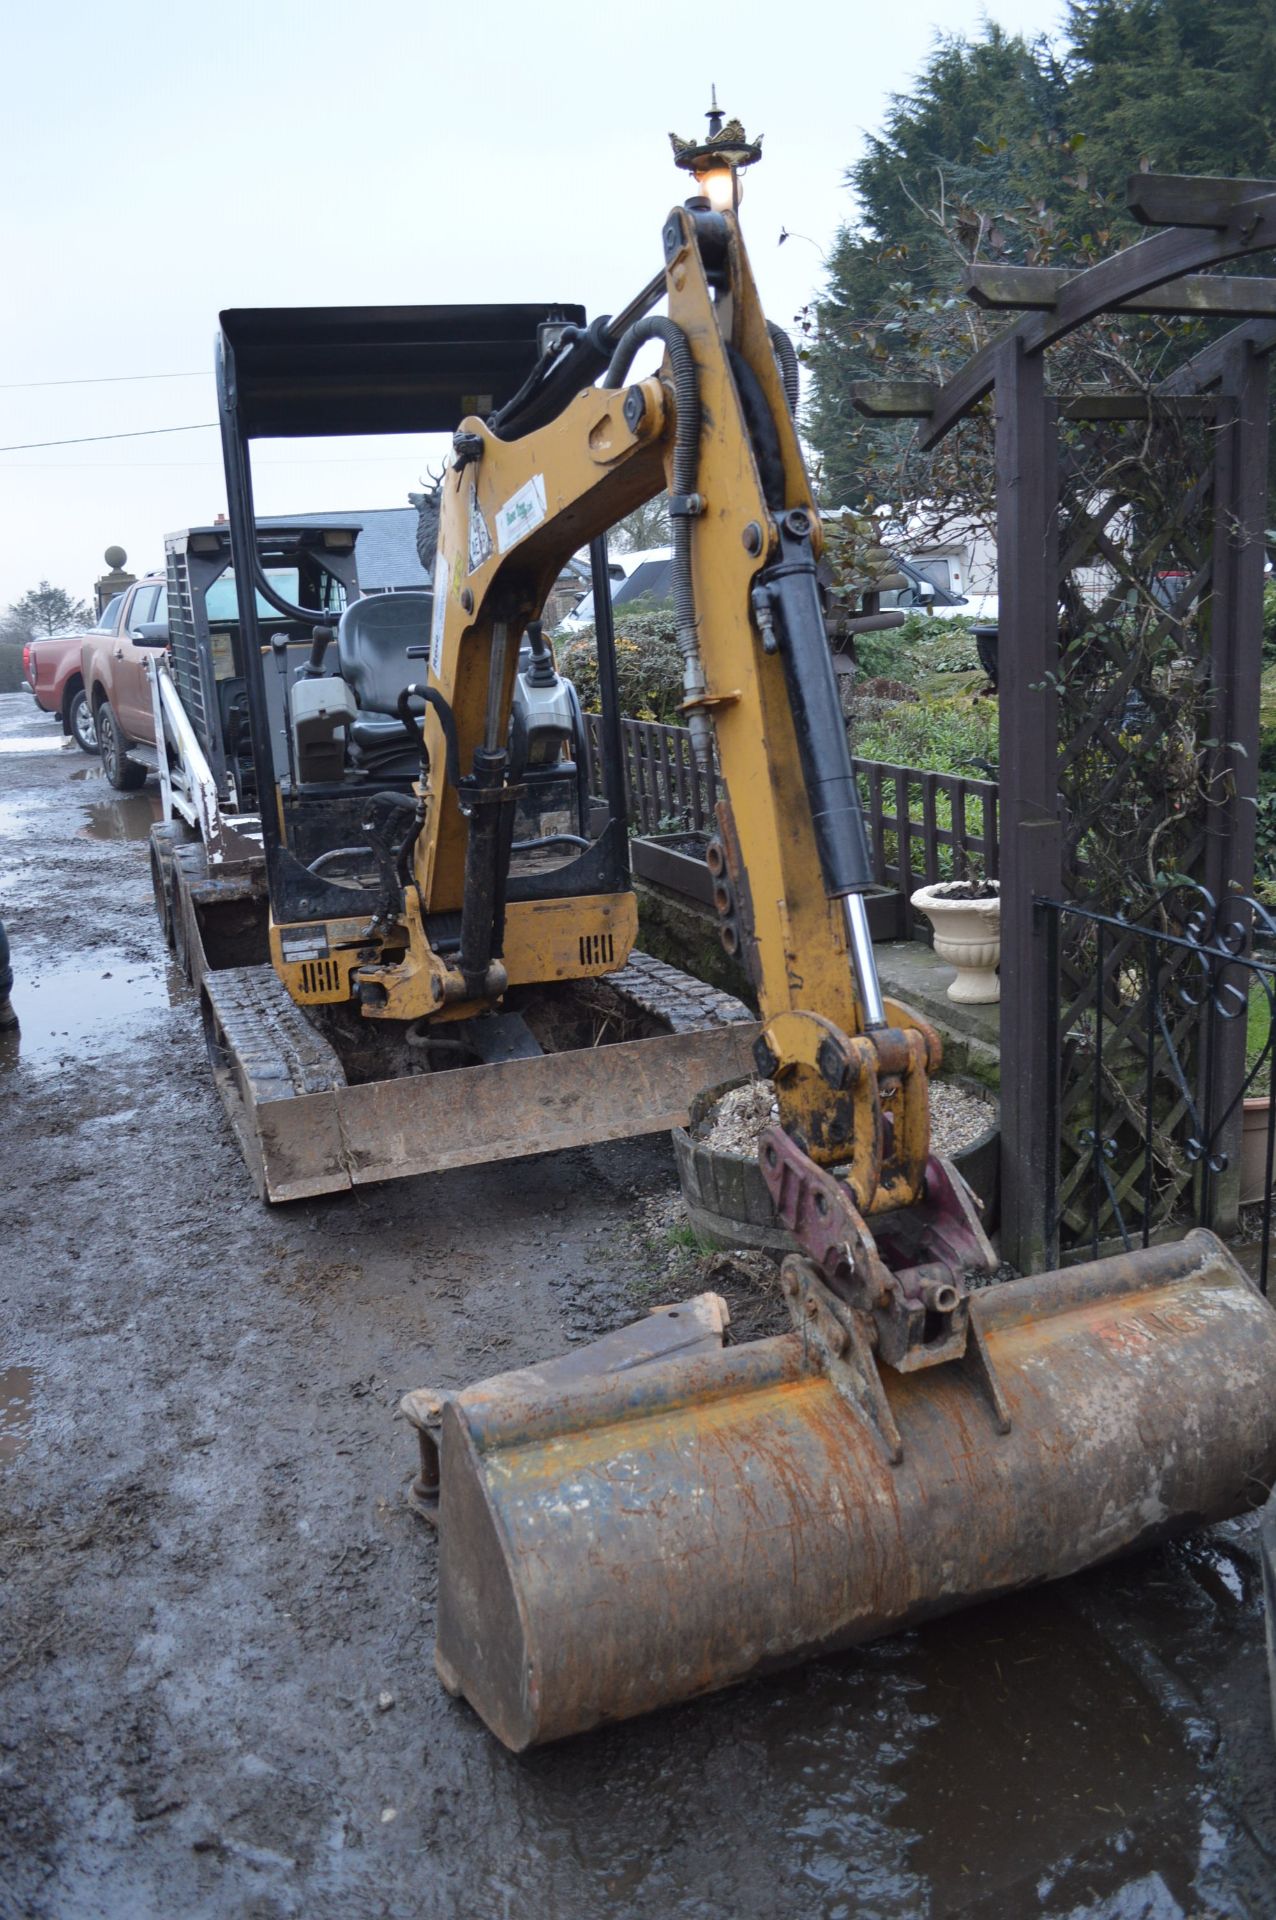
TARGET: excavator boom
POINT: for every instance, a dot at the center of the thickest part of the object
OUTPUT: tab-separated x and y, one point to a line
661	1517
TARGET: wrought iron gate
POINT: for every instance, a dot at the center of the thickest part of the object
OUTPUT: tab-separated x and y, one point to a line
1143	1140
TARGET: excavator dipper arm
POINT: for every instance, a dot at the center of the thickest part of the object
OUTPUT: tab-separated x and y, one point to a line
653	1518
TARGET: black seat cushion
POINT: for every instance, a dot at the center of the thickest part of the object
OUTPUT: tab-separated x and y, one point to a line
372	642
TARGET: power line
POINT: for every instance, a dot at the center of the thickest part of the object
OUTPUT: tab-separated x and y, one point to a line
202	466
25	446
100	380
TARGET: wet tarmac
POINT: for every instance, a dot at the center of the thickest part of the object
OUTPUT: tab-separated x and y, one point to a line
211	1582
17	1390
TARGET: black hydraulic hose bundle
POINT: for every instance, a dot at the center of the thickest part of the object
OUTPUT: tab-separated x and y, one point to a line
786	355
682	503
447	720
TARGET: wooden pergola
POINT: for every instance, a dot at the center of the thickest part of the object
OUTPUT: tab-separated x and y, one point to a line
1047	528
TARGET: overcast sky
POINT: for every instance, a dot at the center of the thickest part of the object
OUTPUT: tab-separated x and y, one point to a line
163	161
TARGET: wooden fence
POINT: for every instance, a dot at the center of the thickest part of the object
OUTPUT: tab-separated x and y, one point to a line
922	826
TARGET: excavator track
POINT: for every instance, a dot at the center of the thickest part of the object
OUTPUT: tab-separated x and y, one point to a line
680	1002
260	1026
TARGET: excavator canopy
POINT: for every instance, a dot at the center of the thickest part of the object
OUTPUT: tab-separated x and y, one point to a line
300	371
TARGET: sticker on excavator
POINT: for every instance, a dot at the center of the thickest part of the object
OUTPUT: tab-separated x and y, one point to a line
480	540
522	512
303	943
439	617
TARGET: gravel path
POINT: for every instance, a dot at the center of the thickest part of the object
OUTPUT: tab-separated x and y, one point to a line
957	1118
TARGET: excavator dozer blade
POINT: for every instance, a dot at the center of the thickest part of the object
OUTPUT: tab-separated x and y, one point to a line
304	1129
615	1541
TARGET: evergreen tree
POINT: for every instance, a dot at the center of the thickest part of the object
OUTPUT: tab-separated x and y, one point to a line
1187	86
1008	151
47	609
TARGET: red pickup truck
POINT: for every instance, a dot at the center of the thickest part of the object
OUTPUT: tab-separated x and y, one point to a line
51	665
56	672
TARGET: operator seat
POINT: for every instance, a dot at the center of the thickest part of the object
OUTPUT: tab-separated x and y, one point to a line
373	637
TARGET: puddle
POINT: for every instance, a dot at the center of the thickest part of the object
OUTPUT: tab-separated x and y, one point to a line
1037	1759
17	1392
126	816
86	1008
1003	1762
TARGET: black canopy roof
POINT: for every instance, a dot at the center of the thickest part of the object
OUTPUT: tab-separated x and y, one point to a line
302	371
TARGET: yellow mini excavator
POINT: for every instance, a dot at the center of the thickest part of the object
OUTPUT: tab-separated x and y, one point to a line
660	1515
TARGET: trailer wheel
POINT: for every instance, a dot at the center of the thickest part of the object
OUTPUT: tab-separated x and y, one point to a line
125	775
177	919
159	887
174	833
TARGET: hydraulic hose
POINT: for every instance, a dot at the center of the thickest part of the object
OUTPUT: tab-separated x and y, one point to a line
447	720
786	354
686	457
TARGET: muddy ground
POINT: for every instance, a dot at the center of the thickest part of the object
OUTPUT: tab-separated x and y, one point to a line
210	1578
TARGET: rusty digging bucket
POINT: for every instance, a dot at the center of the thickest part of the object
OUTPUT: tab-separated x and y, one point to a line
659	1516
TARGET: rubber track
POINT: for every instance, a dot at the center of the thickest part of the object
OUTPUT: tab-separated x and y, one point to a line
683	1003
273	1045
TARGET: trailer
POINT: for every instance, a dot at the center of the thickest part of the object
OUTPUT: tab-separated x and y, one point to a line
207	864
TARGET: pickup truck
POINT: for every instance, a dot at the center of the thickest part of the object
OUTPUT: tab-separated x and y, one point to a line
112	663
51	665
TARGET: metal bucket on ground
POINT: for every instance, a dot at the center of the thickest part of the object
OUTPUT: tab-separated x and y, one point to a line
619	1539
1267	1554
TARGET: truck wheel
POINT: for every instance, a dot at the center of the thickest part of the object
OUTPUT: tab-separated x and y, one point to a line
79	722
125	775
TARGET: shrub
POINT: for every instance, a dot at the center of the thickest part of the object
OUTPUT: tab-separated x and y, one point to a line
648	664
935	735
924	645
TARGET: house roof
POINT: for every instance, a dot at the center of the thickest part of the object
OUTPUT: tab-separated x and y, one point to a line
385	549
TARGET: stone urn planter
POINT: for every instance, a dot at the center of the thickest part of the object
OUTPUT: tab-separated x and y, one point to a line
966	916
1256	1114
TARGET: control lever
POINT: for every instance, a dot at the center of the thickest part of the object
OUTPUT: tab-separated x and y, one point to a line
319	638
279	647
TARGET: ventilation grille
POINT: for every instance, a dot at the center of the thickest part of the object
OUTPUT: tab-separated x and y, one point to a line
320	977
597	950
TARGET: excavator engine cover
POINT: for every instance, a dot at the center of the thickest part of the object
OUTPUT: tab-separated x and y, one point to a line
617	1540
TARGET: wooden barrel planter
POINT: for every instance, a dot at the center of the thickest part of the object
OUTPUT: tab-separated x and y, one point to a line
727	1200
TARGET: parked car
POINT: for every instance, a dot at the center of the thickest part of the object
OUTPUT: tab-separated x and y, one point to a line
53	672
621	566
921	594
113	675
